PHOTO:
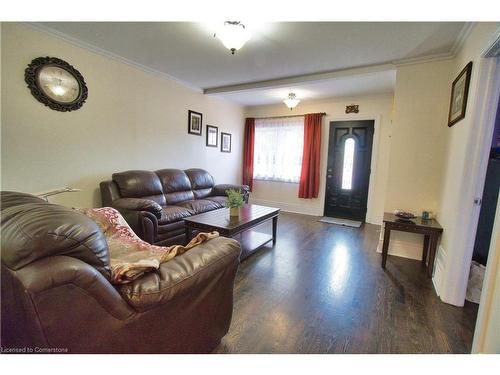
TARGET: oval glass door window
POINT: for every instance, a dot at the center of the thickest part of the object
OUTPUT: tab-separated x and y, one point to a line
348	165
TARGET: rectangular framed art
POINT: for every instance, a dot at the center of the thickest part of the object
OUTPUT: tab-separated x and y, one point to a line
212	136
459	93
195	120
225	142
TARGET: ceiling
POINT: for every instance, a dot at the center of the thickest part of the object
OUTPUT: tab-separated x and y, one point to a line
189	53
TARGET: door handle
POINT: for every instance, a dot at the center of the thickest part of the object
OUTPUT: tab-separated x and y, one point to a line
329	176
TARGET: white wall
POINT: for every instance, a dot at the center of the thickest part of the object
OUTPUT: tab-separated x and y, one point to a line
131	120
285	195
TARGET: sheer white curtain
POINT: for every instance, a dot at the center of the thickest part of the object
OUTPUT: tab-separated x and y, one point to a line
278	148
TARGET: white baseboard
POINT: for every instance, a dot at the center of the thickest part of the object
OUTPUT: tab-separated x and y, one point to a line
375	219
404	249
438	270
287	207
303	209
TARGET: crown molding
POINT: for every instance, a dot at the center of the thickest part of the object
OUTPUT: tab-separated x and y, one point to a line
90	47
424	59
457	45
462	37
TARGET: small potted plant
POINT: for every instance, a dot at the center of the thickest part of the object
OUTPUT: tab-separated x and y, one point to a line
234	202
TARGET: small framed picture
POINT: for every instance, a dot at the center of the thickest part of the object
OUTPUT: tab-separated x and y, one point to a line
225	142
212	136
194	122
459	93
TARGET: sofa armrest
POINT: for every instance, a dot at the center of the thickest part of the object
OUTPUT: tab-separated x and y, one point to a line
223	188
138	204
63	271
197	268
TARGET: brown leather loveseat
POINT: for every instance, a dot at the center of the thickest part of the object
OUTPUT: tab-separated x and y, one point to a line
56	295
155	203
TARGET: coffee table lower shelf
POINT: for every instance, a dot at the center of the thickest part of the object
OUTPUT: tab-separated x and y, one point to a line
251	241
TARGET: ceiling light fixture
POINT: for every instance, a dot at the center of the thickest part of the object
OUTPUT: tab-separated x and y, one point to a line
233	34
292	101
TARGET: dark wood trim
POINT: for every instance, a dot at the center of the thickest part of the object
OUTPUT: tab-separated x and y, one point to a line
468	71
216	137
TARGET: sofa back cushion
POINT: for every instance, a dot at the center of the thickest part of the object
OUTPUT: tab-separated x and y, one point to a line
33	229
140	184
202	182
176	185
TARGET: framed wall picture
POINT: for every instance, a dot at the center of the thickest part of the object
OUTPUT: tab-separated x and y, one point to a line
212	136
195	121
459	93
225	142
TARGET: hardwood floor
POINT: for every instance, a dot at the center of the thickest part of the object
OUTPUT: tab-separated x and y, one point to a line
321	290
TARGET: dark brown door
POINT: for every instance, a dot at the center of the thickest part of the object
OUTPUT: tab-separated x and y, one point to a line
348	169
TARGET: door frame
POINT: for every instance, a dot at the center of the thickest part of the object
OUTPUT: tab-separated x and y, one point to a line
371	216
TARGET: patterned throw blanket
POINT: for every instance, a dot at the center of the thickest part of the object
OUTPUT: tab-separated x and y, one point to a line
131	257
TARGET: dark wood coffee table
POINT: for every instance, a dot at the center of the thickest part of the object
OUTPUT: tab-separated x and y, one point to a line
251	215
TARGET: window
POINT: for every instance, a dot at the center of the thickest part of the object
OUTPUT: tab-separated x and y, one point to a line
348	164
278	148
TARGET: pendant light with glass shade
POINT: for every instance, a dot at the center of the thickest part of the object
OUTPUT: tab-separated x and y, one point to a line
292	101
233	34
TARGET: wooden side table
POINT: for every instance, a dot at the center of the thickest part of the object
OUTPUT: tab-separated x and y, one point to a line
429	228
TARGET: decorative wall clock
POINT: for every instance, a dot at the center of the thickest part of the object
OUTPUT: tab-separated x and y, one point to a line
56	84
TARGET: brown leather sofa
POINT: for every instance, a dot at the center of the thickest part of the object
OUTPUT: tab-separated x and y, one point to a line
56	295
155	203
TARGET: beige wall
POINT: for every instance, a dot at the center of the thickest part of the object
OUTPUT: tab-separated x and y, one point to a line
459	138
285	195
418	142
131	120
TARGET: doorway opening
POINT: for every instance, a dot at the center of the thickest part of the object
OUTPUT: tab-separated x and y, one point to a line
487	213
348	169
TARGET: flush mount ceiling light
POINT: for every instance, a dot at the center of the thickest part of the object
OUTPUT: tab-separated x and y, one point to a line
292	101
233	35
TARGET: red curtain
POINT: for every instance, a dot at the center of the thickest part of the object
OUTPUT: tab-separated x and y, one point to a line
248	152
309	176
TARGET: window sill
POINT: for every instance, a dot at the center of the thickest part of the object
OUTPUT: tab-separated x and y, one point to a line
275	181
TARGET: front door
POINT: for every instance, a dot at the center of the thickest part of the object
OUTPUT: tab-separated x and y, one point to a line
348	169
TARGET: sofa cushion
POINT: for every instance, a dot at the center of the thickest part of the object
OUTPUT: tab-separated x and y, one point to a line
171	214
199	206
37	229
176	185
202	182
140	184
219	199
185	273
